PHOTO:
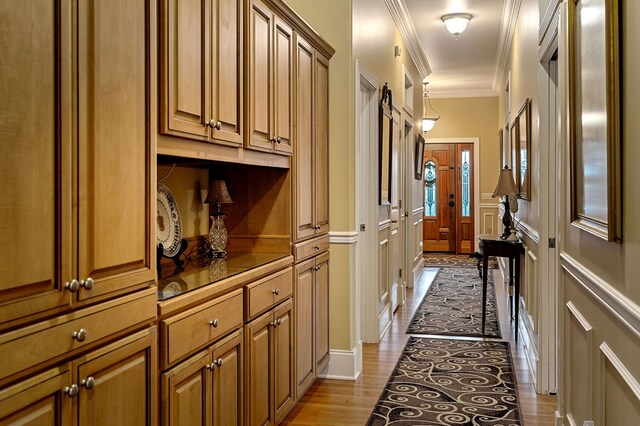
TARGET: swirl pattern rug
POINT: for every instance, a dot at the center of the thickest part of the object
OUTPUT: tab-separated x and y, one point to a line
450	382
453	306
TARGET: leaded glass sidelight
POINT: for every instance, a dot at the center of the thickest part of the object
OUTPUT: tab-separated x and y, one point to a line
466	180
429	188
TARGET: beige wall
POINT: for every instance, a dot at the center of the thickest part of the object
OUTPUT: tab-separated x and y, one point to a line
523	64
332	20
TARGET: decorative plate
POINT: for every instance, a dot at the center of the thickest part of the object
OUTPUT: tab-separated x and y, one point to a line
169	228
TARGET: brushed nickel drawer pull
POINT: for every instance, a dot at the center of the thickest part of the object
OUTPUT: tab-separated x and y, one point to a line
87	284
214	323
276	291
219	362
317	247
72	285
89	383
80	335
71	391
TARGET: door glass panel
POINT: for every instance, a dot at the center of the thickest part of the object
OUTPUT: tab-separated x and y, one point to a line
466	189
429	188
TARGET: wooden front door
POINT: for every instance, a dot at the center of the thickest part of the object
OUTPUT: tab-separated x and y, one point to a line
448	198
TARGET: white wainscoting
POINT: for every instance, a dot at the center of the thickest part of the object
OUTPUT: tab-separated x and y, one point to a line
344	365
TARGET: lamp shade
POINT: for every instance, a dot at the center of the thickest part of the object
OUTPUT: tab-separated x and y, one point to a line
456	23
506	184
428	123
218	193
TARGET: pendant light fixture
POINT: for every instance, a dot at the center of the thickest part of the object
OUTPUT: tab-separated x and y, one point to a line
428	120
456	23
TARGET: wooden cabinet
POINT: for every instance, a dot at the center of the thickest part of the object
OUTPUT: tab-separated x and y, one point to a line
269	366
206	388
312	320
311	161
201	70
112	385
85	75
269	80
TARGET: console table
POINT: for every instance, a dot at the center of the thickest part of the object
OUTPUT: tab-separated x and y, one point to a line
492	245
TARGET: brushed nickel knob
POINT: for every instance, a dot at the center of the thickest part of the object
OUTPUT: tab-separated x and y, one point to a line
218	362
276	291
80	335
214	323
87	284
218	125
210	366
72	390
278	322
273	139
317	247
72	285
89	383
278	139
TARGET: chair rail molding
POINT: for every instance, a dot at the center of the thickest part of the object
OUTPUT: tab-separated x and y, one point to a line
343	237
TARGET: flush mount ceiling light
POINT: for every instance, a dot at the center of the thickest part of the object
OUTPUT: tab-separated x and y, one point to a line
428	120
456	23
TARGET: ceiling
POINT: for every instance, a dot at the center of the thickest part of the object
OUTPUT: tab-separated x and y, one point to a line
470	64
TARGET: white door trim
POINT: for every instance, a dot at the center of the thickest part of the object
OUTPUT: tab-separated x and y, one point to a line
476	178
366	125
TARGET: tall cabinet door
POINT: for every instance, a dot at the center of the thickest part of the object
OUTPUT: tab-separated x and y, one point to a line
304	155
321	312
304	289
260	78
321	145
184	63
118	383
284	393
283	86
116	151
226	71
35	165
228	381
258	371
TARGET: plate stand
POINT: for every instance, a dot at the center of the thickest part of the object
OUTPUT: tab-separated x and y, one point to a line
176	259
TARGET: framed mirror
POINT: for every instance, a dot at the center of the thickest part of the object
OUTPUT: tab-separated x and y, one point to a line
419	160
385	135
523	151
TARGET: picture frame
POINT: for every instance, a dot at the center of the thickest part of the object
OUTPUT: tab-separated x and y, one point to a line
513	137
523	151
594	118
385	145
419	159
501	147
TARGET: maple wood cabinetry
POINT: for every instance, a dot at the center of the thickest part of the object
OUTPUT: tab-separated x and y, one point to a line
311	160
85	73
201	70
115	384
208	387
269	80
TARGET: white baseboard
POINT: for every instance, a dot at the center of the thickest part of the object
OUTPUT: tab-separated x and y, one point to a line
343	365
418	270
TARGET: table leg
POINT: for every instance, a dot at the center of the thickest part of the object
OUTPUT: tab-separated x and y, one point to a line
510	289
517	292
485	267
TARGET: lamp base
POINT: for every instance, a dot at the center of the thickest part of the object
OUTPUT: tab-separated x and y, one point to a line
506	220
218	254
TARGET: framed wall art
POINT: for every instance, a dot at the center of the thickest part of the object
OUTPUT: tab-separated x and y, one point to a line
513	138
501	147
385	152
523	151
594	106
419	152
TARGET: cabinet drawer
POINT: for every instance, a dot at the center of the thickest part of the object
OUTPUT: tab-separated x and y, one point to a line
195	328
35	345
311	247
269	291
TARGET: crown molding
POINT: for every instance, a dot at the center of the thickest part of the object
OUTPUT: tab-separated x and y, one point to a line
488	93
404	23
510	14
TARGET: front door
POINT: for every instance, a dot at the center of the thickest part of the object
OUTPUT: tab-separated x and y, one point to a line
448	198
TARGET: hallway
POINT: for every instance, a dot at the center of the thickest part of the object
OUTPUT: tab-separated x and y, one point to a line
334	402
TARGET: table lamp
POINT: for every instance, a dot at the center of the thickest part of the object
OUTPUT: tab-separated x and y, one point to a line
218	194
506	185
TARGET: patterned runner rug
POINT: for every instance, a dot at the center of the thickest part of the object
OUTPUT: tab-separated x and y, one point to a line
443	259
453	306
450	382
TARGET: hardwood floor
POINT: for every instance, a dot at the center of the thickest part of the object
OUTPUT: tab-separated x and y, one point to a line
338	402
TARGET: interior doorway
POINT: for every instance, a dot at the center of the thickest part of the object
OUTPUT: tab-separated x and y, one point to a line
449	196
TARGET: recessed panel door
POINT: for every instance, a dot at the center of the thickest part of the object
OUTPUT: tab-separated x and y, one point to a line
439	224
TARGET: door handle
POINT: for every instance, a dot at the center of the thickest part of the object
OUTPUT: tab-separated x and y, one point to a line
451	203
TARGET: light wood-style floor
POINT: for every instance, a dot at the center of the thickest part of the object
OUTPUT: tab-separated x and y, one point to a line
337	402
